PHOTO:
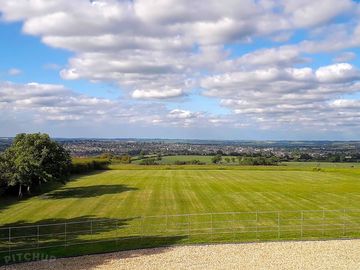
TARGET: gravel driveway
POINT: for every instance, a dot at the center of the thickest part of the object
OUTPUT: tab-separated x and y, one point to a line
334	254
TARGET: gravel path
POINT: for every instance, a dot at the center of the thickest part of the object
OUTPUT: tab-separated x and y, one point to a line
334	254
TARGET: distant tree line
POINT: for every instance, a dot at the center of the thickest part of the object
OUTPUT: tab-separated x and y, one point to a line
189	162
85	165
246	160
125	159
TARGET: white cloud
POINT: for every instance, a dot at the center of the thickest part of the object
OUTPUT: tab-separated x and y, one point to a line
165	49
345	57
310	13
291	95
337	73
148	46
157	94
284	56
49	103
14	71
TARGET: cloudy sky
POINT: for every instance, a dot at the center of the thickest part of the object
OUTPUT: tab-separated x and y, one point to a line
208	69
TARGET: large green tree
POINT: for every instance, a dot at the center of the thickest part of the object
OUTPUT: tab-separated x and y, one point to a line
3	183
33	159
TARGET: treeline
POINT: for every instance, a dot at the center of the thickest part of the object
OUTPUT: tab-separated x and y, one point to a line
125	159
330	157
101	162
84	165
246	160
189	162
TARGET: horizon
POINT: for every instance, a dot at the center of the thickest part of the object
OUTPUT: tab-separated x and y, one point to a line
184	139
255	70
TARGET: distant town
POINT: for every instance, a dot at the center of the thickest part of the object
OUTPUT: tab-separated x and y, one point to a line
333	151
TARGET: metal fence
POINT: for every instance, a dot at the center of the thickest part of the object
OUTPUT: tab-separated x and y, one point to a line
185	228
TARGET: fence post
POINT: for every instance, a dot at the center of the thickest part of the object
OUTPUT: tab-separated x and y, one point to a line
9	240
65	231
278	224
344	220
38	236
167	223
91	229
212	227
116	231
323	223
233	225
302	221
257	226
188	225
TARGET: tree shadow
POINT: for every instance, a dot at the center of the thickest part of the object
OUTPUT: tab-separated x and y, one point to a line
87	191
6	200
55	229
77	236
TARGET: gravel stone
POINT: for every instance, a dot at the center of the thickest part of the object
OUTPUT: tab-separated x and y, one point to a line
332	254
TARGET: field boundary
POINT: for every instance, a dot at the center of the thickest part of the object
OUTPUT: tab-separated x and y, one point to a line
217	227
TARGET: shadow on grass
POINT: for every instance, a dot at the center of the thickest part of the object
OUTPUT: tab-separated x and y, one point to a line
87	191
53	230
6	200
84	235
134	247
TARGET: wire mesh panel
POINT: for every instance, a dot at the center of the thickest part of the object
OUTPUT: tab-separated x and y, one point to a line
4	239
51	235
268	225
23	238
352	223
186	228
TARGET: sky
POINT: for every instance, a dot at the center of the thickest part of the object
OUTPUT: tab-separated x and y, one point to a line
205	69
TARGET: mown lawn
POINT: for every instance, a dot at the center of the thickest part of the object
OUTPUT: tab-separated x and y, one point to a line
126	194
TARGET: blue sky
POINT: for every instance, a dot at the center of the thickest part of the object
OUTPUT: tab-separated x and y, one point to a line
263	70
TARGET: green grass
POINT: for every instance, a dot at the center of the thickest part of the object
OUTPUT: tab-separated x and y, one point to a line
123	195
323	164
127	193
171	159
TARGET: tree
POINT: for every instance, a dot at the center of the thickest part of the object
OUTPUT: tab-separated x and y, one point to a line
227	159
148	161
33	159
142	154
216	159
3	183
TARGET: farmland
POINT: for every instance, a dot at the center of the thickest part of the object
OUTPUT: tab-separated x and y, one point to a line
128	192
144	191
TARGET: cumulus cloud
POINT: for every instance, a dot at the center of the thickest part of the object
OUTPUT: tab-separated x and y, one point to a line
164	49
292	95
49	103
148	46
157	94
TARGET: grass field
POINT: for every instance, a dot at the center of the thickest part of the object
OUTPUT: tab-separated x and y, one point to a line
126	193
169	160
172	159
122	193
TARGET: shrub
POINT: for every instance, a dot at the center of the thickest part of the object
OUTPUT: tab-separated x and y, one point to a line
148	161
87	165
